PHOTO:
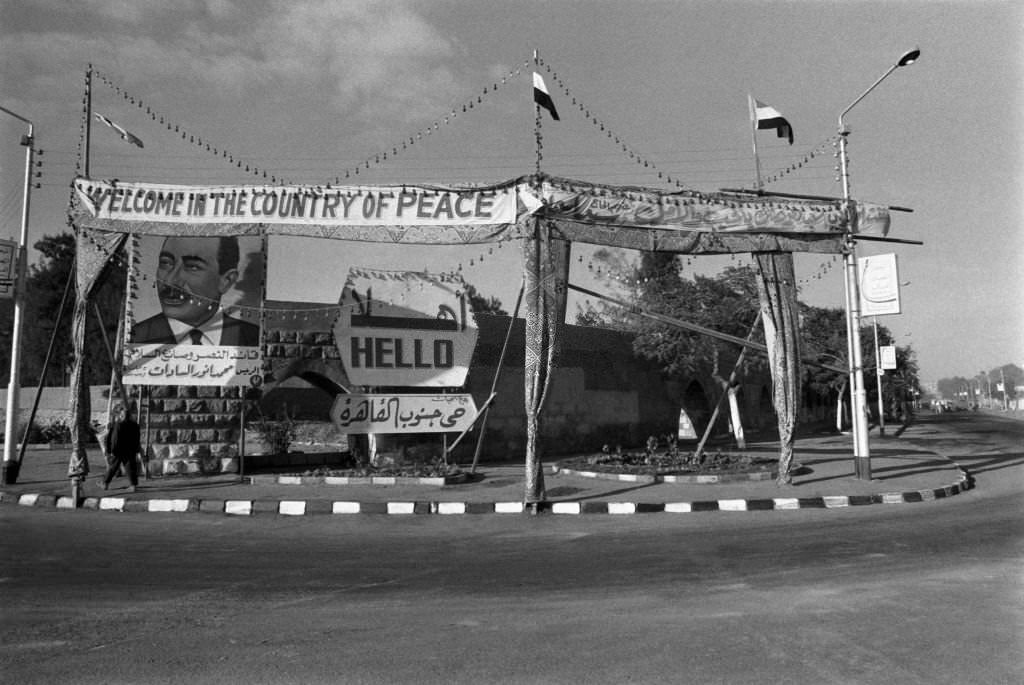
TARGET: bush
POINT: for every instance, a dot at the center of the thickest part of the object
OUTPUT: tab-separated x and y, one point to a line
666	461
56	431
278	433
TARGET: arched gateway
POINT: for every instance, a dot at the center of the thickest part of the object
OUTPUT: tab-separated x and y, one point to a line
544	214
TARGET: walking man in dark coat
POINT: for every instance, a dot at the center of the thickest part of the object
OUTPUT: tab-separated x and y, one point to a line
120	446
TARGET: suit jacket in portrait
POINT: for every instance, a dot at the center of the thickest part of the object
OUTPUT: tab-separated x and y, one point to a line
156	330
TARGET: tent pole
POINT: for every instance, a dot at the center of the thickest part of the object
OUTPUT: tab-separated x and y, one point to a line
46	363
494	383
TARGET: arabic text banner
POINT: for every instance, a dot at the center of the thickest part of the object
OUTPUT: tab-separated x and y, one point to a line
385	414
192	365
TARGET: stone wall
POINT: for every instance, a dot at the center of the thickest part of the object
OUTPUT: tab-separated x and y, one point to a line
191	429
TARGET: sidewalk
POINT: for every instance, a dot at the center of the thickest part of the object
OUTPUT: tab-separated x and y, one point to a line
825	479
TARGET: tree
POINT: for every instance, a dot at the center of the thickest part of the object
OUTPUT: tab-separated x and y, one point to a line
823	334
988	383
951	388
902	386
1009	376
727	303
45	286
483	305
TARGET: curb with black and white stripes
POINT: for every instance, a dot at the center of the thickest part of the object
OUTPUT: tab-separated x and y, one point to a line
298	507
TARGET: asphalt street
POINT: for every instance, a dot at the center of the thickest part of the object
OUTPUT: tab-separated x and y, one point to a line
922	593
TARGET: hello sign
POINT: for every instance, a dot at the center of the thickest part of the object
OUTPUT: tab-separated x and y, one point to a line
405	329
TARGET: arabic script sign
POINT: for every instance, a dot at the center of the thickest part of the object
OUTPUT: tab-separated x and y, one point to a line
192	365
405	329
403	413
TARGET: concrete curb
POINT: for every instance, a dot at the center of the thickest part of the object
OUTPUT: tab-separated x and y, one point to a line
439	481
703	479
299	507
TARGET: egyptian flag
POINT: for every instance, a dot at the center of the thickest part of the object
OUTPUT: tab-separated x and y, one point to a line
542	97
768	117
125	135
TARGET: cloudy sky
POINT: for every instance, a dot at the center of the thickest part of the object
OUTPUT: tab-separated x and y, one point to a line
307	91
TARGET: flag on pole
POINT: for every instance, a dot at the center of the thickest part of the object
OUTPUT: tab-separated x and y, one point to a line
768	117
125	135
542	97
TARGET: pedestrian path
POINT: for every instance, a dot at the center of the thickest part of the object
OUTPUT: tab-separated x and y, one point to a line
901	475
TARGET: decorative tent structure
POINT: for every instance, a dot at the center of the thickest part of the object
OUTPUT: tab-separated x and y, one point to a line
545	214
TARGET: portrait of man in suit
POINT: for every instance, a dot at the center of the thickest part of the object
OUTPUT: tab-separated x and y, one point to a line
193	274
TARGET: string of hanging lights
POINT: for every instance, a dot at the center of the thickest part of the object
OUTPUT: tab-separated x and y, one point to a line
405	143
591	117
136	280
820	149
186	135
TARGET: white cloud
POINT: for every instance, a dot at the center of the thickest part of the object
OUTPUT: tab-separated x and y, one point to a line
372	59
376	58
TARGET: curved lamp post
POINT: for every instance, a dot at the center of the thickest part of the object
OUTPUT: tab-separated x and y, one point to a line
861	449
9	473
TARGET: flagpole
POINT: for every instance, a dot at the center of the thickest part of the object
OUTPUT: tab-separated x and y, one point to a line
753	139
537	138
88	121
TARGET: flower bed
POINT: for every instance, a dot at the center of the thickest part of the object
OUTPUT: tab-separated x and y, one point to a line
670	465
438	474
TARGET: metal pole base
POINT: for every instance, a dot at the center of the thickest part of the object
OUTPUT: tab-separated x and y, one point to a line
862	468
9	473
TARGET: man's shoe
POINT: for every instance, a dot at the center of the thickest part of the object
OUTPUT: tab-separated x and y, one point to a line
131	488
105	486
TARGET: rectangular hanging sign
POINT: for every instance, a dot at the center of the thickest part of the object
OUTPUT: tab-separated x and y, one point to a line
341	206
403	413
8	268
879	285
888	357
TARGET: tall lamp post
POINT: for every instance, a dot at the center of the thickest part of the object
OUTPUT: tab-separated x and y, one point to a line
9	473
861	449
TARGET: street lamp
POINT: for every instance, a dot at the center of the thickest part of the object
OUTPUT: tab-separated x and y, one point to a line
861	449
9	472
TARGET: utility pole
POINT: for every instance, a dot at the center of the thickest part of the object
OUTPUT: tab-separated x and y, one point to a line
11	465
858	396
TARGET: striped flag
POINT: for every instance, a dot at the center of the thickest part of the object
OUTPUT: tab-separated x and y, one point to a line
125	135
768	117
542	97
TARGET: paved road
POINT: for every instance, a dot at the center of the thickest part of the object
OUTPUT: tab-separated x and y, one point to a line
923	593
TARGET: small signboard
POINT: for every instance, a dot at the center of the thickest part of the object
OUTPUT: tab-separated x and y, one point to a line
405	329
8	268
887	353
405	413
686	429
